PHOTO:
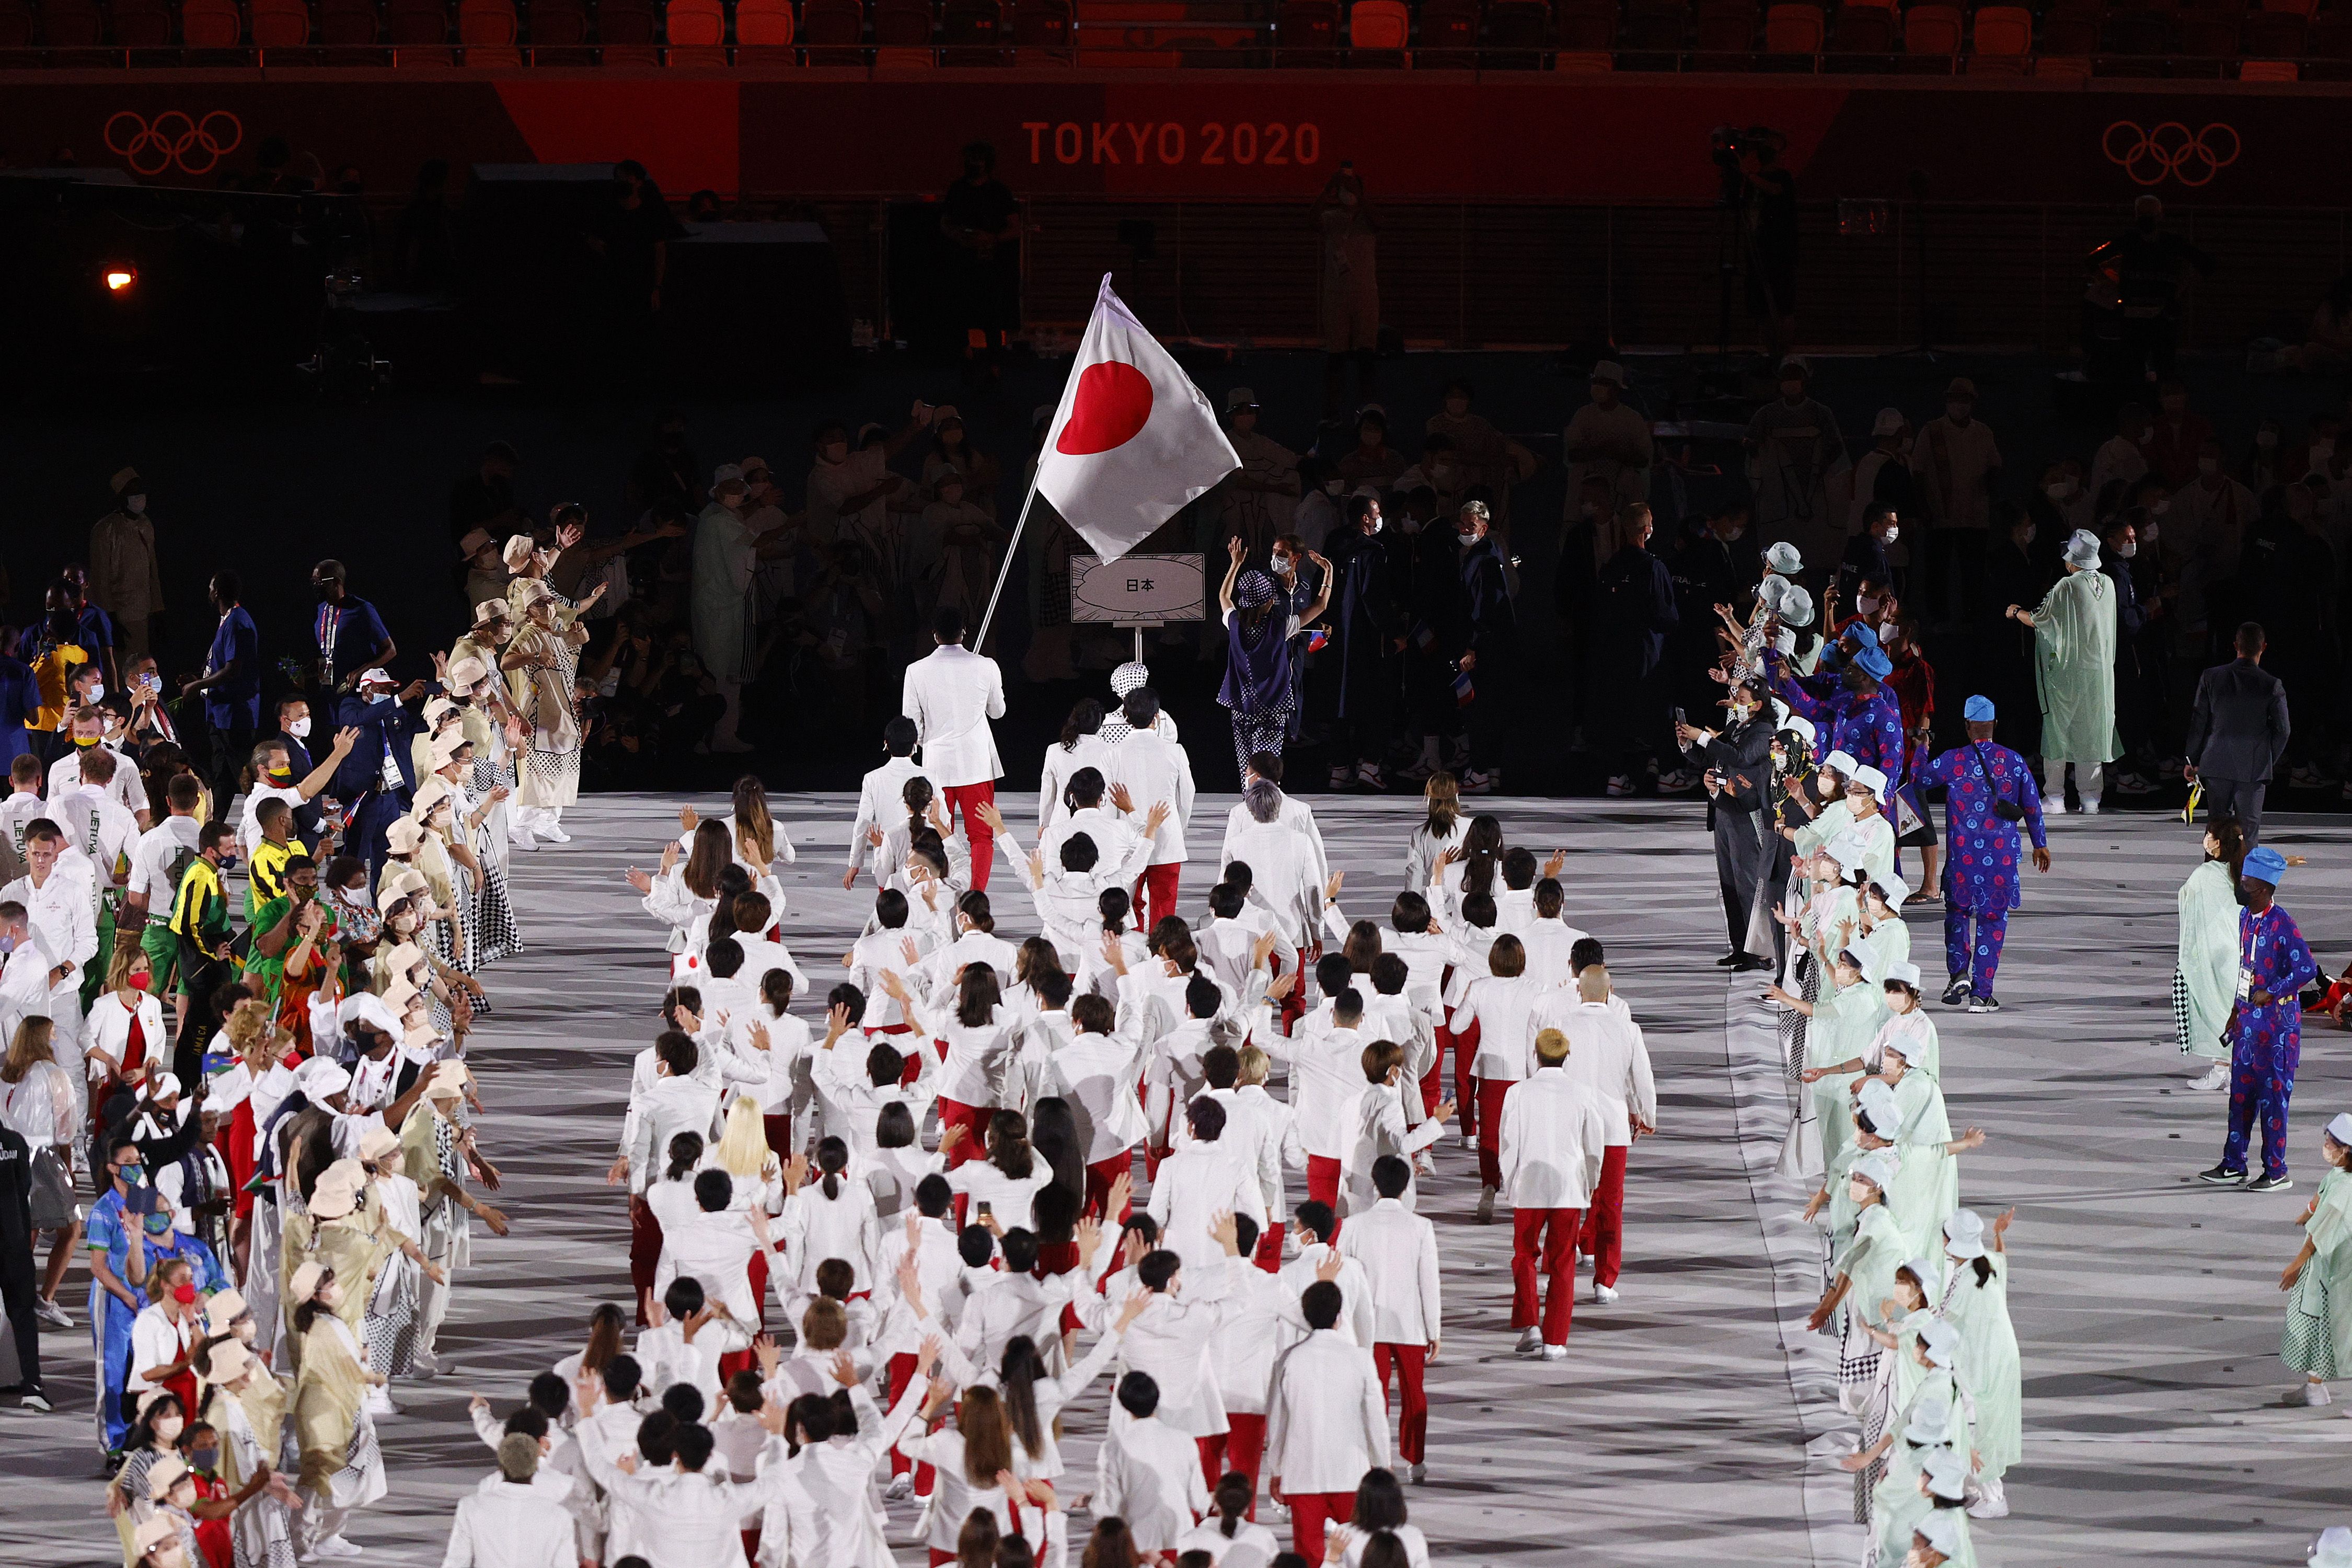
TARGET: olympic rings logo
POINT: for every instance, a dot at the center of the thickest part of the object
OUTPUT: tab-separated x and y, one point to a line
175	140
2170	150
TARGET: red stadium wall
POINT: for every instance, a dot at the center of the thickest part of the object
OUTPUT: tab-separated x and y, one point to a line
1197	135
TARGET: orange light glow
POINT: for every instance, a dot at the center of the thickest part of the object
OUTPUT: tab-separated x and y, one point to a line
118	278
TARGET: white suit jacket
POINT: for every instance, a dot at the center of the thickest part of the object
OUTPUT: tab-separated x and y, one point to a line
1325	1421
951	694
1551	1140
1155	770
1399	1251
511	1524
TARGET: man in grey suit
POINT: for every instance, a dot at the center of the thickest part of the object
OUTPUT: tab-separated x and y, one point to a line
2238	733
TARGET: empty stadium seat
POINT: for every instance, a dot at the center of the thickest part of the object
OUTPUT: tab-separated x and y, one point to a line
1932	28
2329	36
488	29
2000	40
2136	32
696	30
2267	70
142	24
1445	35
285	24
1516	24
902	32
628	33
414	29
764	27
1861	28
972	33
72	24
351	26
2063	67
2303	8
18	27
211	25
1653	26
560	33
1587	24
1795	29
1379	25
1583	61
1307	33
2273	36
2207	35
1726	27
2068	33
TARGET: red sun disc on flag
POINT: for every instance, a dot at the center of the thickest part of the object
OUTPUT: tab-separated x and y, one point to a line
1114	402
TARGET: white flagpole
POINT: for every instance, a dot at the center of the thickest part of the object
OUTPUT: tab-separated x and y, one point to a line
1005	571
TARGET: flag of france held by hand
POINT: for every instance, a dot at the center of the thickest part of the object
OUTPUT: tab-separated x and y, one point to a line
1133	439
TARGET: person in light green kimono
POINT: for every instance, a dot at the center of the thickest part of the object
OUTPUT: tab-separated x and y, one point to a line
1975	1299
1933	1409
2317	1340
2205	975
1885	940
1837	1026
2075	676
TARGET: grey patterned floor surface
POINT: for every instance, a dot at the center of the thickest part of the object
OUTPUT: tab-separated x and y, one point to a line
1683	1427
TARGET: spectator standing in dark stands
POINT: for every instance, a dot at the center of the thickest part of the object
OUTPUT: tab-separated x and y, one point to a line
1882	476
1769	212
2237	734
1633	612
1869	554
2179	438
1610	439
2151	267
485	499
1371	461
1959	469
2290	572
231	688
426	260
1350	284
347	633
1367	619
981	218
1483	639
1792	444
2135	716
124	577
634	241
668	467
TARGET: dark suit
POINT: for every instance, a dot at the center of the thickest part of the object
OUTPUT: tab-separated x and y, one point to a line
1739	752
385	728
2236	736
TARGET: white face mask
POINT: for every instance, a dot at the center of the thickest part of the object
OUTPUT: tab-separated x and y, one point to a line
1892	535
135	504
2062	490
1333	487
97	692
2125	552
2160	508
298	727
2149	534
1858	1191
1867	604
1281	565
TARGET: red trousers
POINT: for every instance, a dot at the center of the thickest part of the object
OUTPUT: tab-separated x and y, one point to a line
1412	1425
1323	1187
974	1119
644	1251
961	799
1309	1512
1557	1231
1244	1448
1465	1093
1489	1119
1155	892
779	1130
902	1368
1604	1239
1100	1177
1268	1257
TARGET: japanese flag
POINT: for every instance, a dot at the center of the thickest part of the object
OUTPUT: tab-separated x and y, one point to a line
1133	440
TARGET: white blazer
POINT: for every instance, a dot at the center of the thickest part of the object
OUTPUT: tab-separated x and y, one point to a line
951	694
1053	777
1552	1140
1399	1251
109	1033
1155	770
1325	1421
1605	1052
881	802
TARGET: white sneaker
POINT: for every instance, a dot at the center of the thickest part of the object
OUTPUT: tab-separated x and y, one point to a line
2090	805
1485	1206
1477	783
902	1487
2312	1393
2216	1077
1555	1353
49	1312
1420	1471
1620	784
1530	1342
1604	1294
334	1546
1470	1141
552	831
2052	807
